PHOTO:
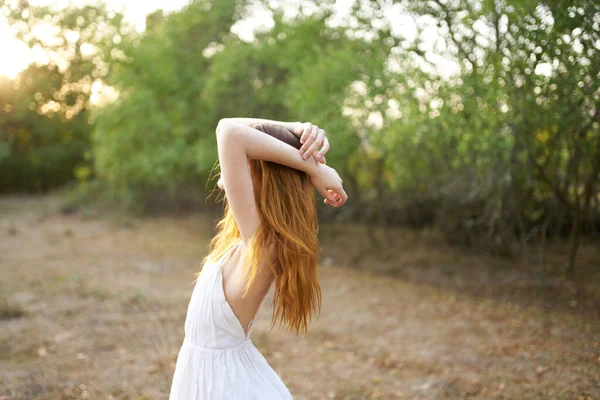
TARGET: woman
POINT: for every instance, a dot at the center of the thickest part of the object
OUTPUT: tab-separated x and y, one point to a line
268	234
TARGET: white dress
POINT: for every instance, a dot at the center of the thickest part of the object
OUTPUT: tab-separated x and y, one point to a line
217	360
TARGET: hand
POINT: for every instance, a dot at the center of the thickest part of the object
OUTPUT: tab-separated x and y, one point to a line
312	138
329	184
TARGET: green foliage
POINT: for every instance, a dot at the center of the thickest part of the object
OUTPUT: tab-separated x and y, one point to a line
39	151
513	138
44	113
160	131
171	99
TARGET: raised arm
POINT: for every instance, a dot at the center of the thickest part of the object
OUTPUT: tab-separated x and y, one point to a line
313	139
247	121
237	143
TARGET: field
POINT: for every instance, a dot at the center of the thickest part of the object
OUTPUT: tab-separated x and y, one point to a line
92	306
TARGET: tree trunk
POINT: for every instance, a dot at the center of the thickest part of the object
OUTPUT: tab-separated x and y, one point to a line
543	238
574	242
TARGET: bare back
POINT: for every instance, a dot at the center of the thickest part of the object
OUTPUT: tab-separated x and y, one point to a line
245	308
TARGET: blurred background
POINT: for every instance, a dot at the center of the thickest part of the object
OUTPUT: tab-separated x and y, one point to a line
466	263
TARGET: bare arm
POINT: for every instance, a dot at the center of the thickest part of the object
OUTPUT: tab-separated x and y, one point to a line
313	139
247	121
237	143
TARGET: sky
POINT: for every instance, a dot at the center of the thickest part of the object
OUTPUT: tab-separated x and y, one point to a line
136	11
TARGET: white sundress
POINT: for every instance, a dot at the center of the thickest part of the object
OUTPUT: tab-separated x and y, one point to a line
217	360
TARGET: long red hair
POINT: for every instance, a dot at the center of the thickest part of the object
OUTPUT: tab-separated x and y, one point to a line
286	241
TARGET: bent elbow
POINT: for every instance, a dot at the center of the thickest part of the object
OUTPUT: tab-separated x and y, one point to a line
227	131
221	125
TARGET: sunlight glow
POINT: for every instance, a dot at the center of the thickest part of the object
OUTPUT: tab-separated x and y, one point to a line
16	56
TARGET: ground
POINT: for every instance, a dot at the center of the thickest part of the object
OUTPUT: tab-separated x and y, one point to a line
92	306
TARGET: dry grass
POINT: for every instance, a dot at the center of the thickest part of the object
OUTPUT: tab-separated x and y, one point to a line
10	311
93	307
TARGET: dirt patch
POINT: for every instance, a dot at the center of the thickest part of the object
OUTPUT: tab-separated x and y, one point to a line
104	302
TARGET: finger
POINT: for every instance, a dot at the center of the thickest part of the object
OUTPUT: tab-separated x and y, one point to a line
325	147
314	137
333	195
314	146
314	133
343	195
328	196
306	129
332	198
308	138
320	159
298	130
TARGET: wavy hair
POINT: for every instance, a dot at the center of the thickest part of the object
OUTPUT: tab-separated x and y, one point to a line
286	240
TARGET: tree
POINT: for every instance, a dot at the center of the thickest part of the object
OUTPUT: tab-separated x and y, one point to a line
44	123
158	132
523	112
